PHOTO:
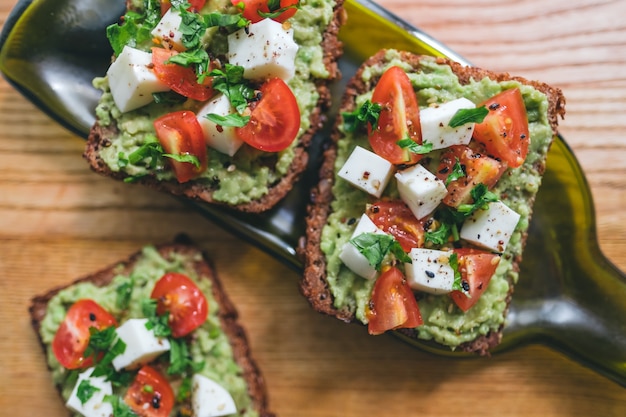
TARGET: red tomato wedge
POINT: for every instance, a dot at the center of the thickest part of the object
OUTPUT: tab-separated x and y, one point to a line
395	217
180	134
150	394
72	337
504	131
478	169
476	268
253	10
195	5
182	80
274	119
393	304
399	117
178	296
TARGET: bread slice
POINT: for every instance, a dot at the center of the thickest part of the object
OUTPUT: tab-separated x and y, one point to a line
284	168
317	285
186	258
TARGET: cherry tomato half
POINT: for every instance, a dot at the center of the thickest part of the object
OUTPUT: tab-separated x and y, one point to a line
393	304
178	296
399	117
180	134
72	337
182	80
395	217
478	169
150	394
504	131
476	268
274	119
252	9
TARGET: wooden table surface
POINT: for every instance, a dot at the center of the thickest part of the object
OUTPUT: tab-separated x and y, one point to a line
58	221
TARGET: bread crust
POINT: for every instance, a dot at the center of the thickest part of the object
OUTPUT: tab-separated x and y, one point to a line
313	284
99	138
227	312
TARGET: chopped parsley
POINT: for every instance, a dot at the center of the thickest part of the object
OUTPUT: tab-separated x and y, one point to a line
458	283
231	83
458	172
85	391
158	324
275	10
231	120
120	408
367	113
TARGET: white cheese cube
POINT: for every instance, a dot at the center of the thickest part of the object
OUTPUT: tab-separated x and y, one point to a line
264	49
131	81
367	171
210	399
420	190
142	345
168	30
492	228
95	406
430	271
221	138
435	120
350	255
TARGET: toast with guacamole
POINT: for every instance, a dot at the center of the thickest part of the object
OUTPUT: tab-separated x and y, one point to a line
216	100
153	335
419	220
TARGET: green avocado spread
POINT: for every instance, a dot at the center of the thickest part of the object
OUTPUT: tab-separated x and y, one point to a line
248	174
444	322
208	346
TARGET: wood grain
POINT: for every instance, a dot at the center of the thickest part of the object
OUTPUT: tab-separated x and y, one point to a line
59	221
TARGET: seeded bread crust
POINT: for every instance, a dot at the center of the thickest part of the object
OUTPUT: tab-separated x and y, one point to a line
333	49
313	284
227	313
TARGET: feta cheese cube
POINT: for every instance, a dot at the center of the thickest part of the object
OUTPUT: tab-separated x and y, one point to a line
350	255
210	399
168	30
367	171
264	49
492	228
435	120
430	271
131	81
221	138
95	406
420	190
142	345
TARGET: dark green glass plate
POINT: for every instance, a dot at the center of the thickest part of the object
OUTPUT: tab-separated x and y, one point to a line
570	297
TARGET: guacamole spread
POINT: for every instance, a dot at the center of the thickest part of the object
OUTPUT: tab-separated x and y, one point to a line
444	322
248	174
209	345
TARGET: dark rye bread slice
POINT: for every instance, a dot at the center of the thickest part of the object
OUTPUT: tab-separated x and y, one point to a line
227	312
313	284
333	49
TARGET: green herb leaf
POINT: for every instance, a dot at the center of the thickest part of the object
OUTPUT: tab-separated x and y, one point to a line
158	324
482	197
413	147
375	247
232	84
149	153
464	116
439	236
457	172
225	20
124	292
231	120
184	391
136	27
185	157
275	10
179	357
85	391
120	408
367	113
